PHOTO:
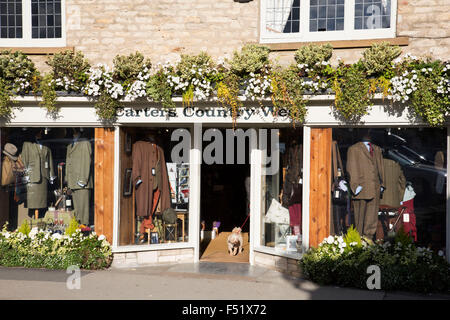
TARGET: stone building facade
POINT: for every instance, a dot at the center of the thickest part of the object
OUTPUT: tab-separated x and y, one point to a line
164	29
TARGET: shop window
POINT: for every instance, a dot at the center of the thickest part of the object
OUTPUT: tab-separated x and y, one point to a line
25	23
282	191
397	179
326	20
47	178
154	199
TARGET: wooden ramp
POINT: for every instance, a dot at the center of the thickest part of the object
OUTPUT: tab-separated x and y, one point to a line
217	250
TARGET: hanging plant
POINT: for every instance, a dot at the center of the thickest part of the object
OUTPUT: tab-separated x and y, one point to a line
48	90
352	90
158	87
379	57
288	93
7	101
228	95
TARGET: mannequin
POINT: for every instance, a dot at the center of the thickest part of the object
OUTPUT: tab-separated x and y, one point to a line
150	180
38	162
395	184
79	175
367	182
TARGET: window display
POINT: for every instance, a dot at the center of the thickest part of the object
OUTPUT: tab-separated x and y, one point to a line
47	177
282	194
157	203
390	179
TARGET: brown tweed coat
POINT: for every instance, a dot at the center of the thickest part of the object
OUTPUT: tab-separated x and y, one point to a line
145	157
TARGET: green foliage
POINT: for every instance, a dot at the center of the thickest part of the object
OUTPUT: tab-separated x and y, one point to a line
353	94
431	107
70	66
40	249
378	58
15	66
7	101
352	237
250	59
127	68
159	90
228	95
73	226
402	237
287	93
189	65
403	266
24	227
106	107
48	89
313	53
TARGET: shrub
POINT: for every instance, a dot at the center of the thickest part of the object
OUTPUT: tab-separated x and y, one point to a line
70	70
313	53
41	249
127	68
17	71
402	265
378	58
250	59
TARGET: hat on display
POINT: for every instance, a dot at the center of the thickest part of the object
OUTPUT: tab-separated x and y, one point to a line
10	151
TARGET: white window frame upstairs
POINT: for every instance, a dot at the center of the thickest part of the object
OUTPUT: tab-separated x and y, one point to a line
27	39
349	32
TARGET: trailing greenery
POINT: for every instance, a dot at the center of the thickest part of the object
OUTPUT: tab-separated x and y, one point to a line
421	84
40	249
402	265
48	90
352	90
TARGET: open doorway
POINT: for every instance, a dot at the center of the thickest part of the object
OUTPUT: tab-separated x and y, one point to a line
225	199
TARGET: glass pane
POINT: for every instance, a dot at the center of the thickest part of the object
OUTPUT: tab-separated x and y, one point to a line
412	172
11	18
282	190
58	182
313	13
159	189
376	14
327	13
312	25
47	15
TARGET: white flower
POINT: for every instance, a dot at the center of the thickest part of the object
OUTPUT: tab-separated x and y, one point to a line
101	237
330	239
56	236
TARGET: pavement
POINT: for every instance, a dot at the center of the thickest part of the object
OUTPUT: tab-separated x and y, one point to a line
200	281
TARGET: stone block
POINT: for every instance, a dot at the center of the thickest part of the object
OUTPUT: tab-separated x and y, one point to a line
147	257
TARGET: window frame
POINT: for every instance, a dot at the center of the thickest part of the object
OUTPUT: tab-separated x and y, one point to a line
349	32
27	39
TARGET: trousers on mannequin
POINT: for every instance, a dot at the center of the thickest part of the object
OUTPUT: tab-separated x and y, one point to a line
366	216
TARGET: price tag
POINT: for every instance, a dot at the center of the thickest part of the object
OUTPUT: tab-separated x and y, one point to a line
153	172
406	217
46	165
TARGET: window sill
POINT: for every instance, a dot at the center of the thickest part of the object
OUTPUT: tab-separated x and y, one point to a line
38	50
273	252
340	44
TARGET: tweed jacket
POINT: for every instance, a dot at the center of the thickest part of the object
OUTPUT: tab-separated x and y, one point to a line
395	184
365	170
145	156
38	162
78	165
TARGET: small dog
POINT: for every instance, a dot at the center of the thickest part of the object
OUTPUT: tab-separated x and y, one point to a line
235	242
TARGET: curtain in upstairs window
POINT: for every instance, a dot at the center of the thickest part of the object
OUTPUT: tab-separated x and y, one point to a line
277	14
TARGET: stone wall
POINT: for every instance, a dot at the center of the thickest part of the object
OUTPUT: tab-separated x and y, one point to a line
156	257
164	29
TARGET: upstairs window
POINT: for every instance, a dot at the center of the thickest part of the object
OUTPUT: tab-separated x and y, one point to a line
326	20
28	23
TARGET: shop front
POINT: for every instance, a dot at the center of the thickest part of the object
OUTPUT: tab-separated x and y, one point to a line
156	182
